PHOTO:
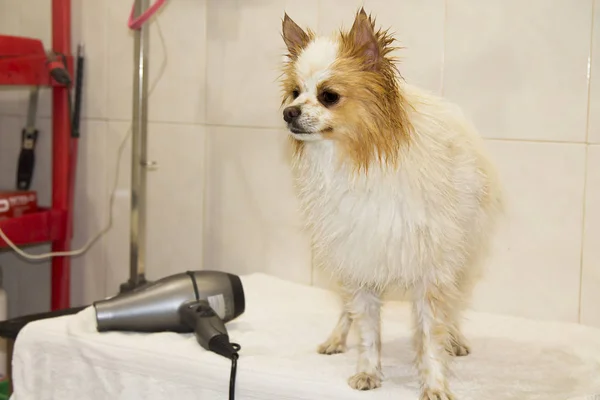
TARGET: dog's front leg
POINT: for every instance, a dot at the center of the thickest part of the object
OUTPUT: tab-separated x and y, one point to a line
364	307
336	342
431	336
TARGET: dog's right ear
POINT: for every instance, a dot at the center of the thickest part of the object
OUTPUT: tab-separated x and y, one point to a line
294	37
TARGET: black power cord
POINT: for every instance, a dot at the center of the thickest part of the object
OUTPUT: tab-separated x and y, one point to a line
220	344
232	377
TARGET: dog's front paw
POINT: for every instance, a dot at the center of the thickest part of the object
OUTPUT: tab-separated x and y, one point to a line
459	350
364	381
436	394
332	347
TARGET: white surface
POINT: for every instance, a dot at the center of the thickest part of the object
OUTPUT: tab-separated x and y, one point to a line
65	358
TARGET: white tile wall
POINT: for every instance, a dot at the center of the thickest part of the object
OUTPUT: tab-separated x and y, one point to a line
88	277
535	268
590	290
336	14
244	53
119	57
175	199
181	56
519	69
514	71
35	23
184	58
11	101
93	35
118	154
251	215
419	29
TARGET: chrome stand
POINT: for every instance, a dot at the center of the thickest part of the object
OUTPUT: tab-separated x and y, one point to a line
139	155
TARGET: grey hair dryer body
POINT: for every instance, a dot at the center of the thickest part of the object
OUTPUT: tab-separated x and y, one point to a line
194	301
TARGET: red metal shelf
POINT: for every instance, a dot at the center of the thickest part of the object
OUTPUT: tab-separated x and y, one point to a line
23	62
43	226
15	46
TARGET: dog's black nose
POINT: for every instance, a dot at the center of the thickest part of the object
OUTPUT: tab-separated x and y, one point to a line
291	113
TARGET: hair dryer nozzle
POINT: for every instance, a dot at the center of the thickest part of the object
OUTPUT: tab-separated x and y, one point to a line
239	298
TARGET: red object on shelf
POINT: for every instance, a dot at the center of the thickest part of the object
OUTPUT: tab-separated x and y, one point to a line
23	61
14	203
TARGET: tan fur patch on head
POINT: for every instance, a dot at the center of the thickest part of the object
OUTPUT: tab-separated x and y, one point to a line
374	108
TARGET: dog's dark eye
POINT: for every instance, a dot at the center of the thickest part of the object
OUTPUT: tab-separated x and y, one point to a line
295	93
328	98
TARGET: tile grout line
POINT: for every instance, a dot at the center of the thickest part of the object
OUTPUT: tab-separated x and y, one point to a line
107	183
581	249
585	171
544	141
589	74
207	142
273	128
206	51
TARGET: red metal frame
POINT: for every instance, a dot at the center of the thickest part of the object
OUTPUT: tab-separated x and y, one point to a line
61	153
23	61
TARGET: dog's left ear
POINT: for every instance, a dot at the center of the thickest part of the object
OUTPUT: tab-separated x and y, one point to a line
364	40
294	37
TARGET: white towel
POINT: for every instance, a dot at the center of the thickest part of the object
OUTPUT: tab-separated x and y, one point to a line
512	358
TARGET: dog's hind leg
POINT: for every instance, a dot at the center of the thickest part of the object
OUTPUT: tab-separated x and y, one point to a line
431	336
457	344
465	281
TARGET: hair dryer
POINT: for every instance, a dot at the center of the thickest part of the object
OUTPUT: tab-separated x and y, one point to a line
194	301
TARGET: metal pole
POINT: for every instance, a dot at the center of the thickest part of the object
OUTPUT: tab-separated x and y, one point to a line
139	154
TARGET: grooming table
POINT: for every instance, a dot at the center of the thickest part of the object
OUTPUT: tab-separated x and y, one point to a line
65	358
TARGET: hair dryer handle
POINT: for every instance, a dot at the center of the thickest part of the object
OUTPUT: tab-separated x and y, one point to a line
208	327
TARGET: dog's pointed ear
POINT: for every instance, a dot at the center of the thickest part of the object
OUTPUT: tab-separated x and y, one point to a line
364	40
294	37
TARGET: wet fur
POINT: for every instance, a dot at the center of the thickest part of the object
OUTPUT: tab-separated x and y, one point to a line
396	189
